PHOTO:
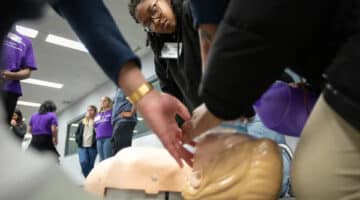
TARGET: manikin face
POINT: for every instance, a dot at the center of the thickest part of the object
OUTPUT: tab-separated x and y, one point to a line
156	16
234	166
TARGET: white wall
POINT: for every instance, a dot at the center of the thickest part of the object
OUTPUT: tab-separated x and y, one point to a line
71	163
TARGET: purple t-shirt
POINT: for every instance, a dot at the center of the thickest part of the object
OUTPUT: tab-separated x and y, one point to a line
102	124
41	123
17	54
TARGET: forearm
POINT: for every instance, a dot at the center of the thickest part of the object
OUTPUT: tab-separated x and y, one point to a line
201	121
206	35
20	75
30	130
54	133
55	136
204	120
130	78
133	110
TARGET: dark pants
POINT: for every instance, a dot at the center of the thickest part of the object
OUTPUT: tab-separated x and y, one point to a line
122	135
43	143
10	99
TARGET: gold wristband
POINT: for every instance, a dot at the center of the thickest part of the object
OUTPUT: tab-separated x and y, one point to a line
140	93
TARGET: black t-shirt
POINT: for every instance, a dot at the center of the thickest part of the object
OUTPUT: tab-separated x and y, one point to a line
180	77
258	38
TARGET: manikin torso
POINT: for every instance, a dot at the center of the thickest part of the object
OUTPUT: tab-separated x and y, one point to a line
226	166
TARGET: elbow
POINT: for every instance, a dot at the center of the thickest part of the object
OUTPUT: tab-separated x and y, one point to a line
27	75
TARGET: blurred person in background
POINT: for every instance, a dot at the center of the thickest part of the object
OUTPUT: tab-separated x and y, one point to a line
85	138
44	129
104	129
17	125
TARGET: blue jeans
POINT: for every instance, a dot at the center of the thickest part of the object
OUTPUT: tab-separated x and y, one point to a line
257	129
104	148
87	156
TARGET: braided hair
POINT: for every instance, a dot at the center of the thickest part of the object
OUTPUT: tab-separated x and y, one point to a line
132	7
157	40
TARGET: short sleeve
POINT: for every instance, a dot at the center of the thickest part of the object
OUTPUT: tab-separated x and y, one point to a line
54	120
29	57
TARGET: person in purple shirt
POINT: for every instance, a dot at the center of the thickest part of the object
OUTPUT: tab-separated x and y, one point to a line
43	127
17	63
104	128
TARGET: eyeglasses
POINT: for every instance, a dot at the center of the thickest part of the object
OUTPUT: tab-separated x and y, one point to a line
155	13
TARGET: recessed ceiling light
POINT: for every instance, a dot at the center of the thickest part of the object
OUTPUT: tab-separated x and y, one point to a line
64	42
27	103
140	118
29	32
43	83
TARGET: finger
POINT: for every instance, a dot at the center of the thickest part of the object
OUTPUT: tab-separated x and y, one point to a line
192	143
183	152
187	126
170	146
187	131
186	156
179	137
182	111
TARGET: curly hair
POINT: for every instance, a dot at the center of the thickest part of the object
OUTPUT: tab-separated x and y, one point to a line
132	7
47	106
19	114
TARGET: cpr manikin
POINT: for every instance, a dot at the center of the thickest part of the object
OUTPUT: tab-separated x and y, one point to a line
145	169
236	167
227	166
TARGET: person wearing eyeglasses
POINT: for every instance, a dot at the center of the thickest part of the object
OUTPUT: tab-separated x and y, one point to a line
175	43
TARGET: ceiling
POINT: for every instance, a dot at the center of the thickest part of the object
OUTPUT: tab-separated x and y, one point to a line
75	69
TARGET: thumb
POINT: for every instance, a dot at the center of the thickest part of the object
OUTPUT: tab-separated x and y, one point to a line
182	111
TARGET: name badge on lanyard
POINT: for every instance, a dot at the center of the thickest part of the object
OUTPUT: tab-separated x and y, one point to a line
97	118
14	37
171	50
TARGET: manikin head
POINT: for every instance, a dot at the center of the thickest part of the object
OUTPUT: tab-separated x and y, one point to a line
234	166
